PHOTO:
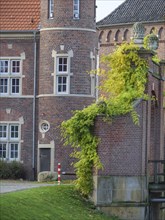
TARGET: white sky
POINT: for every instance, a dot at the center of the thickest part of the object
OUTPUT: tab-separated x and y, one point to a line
105	7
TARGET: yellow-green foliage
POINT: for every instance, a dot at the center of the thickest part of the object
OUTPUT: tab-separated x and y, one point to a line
122	84
146	40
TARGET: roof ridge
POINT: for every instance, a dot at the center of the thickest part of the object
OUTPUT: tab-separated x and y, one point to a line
131	11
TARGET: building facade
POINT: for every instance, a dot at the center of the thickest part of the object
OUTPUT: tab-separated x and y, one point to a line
132	184
47	49
116	28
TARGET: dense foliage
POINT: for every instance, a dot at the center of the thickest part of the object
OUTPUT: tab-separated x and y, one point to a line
121	84
12	170
147	40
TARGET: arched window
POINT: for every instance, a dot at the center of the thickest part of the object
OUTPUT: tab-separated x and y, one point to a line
160	33
101	36
109	36
117	35
152	30
125	36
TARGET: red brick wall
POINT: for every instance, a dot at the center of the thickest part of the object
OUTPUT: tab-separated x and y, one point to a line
125	148
63	14
82	42
21	106
120	147
108	46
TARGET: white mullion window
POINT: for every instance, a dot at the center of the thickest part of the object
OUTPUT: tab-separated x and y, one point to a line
10	77
15	67
3	150
10	141
13	151
4	67
14	132
51	8
62	75
62	84
3	132
76	9
4	86
15	86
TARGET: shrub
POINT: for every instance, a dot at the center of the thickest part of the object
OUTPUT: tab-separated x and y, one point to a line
11	170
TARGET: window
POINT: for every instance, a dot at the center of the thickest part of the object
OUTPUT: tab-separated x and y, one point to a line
9	141
62	75
51	8
160	33
76	9
44	126
10	77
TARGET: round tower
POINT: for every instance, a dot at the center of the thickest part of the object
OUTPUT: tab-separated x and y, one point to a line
67	54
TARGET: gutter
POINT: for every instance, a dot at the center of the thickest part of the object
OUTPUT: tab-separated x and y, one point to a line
34	103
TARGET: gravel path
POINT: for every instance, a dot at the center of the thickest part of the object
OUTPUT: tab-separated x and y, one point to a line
11	186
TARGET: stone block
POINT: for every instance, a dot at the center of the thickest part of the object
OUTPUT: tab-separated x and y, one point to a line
47	176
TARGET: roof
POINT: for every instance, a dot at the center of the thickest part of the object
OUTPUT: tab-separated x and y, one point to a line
19	15
132	11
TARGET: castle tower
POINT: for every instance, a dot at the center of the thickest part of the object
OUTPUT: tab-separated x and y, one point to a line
67	53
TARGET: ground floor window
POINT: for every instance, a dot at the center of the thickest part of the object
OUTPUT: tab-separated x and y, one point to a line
9	141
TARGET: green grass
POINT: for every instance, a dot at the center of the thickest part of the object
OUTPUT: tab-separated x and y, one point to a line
48	203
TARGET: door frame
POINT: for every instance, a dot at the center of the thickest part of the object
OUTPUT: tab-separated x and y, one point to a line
51	146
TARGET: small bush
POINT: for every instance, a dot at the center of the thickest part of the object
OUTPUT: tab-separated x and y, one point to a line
12	170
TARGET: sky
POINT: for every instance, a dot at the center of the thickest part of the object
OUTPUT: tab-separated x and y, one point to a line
105	7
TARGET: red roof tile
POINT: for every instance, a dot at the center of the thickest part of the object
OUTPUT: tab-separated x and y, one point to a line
19	14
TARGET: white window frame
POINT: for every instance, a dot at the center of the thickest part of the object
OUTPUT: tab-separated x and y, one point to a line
51	9
62	73
9	140
76	9
9	75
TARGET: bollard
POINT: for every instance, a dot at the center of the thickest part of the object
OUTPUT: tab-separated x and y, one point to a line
59	173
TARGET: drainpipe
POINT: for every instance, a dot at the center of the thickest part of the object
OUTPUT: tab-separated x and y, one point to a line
34	104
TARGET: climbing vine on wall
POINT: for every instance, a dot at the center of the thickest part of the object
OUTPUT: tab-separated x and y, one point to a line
121	84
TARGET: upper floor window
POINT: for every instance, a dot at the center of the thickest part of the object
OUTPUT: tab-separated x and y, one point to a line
10	76
9	141
76	9
51	8
62	75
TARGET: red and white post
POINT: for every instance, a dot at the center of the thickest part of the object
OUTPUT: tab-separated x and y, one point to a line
59	173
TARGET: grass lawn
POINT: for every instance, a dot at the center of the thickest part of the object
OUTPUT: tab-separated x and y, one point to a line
48	203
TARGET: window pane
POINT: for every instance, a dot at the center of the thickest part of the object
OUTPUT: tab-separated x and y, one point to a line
4	66
14	131
15	86
64	80
14	151
3	131
51	8
4	86
62	64
15	66
62	84
3	150
76	9
64	88
59	80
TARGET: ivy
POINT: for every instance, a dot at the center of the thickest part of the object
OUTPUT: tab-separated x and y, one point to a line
122	83
149	38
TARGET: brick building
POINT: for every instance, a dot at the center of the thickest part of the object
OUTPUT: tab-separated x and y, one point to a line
117	26
131	185
46	49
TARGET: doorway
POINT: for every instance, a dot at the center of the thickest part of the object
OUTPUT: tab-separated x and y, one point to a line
45	159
